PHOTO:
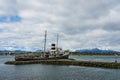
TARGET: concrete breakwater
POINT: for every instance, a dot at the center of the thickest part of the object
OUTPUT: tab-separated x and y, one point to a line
111	65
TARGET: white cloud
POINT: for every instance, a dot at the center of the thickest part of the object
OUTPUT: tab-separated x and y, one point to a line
80	23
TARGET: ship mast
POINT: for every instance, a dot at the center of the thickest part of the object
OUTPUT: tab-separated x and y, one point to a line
57	43
45	42
57	40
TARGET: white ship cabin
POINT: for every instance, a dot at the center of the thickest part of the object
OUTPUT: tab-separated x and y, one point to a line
55	51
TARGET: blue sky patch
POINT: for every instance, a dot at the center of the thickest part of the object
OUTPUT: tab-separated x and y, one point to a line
1	30
10	19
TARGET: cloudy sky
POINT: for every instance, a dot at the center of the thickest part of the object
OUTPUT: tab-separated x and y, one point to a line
81	24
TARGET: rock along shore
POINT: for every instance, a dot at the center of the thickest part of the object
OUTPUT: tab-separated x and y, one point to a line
111	65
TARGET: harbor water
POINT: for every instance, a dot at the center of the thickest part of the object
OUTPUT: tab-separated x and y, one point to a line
97	58
57	72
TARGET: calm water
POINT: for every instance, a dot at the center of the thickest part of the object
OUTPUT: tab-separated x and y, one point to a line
97	58
54	72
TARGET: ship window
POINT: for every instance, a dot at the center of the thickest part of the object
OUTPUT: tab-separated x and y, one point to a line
53	44
52	48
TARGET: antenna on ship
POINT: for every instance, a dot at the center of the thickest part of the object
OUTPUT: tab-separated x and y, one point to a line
45	42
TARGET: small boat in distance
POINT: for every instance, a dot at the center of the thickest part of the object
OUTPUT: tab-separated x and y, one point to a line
53	53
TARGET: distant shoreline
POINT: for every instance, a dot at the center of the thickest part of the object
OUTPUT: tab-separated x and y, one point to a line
71	53
92	54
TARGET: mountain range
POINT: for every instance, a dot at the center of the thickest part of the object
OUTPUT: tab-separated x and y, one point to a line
18	51
96	50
